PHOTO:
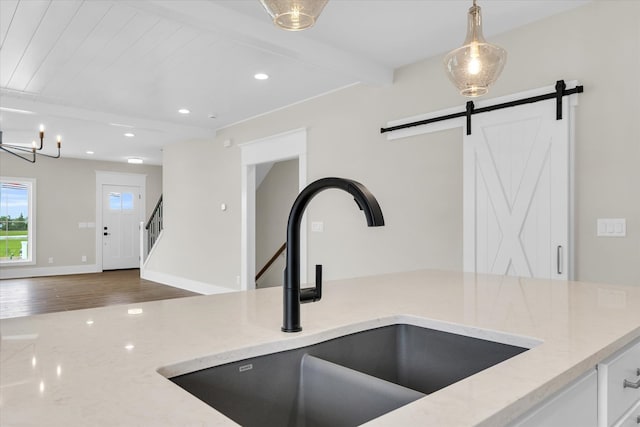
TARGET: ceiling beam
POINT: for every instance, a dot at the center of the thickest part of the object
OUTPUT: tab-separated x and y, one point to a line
258	34
25	102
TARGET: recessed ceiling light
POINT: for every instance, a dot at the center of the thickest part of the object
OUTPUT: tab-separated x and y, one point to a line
134	160
261	76
129	134
184	111
89	152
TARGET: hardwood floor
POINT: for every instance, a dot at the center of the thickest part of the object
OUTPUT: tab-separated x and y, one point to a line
38	295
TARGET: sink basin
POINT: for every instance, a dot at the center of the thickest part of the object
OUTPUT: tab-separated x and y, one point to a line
345	381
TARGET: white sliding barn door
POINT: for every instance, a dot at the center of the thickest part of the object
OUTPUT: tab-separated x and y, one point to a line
516	192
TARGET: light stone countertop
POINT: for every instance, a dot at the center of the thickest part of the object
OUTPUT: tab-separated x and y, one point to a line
100	367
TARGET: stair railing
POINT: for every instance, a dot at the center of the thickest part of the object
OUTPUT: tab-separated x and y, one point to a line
270	262
154	225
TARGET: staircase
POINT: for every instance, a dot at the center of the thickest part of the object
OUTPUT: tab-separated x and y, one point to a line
153	227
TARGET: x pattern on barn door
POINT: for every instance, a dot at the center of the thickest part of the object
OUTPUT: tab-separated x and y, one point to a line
516	192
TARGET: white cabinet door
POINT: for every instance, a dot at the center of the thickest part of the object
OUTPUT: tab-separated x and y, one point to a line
574	406
631	418
516	192
614	398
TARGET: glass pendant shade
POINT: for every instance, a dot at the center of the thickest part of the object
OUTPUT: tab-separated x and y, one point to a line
477	64
294	15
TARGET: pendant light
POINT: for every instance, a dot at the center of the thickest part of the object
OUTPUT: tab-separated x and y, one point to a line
294	15
477	64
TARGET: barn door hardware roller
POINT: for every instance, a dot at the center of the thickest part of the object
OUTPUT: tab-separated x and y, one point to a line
560	92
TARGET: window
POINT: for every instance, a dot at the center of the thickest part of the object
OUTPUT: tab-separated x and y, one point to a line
17	220
121	201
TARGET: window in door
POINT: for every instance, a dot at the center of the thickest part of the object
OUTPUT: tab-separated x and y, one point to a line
17	220
121	201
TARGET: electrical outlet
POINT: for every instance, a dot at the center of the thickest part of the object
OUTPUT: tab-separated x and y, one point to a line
84	258
50	260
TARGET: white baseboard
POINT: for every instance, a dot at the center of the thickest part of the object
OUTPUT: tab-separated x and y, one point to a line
184	283
22	272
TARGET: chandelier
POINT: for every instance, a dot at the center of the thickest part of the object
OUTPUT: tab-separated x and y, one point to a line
29	153
477	64
294	15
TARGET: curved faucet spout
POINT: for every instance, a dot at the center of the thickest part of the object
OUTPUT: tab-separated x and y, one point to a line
292	293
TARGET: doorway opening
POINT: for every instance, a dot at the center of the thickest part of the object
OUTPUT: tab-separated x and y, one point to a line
276	190
254	156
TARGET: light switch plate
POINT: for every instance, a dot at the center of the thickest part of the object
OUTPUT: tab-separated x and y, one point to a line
317	226
612	227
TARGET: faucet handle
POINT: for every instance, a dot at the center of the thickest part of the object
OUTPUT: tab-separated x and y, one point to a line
313	294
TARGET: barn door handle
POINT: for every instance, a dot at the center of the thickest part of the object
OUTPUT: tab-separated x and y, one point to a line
559	259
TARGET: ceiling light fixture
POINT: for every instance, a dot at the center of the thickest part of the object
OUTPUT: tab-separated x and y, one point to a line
16	150
477	64
294	15
135	160
184	111
89	152
129	134
261	76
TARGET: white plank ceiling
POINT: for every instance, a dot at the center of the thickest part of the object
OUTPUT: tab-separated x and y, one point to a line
92	70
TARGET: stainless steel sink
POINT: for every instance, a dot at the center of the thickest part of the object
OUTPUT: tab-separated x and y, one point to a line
344	381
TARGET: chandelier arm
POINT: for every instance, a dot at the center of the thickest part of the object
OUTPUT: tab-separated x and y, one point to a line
49	155
8	147
34	150
32	160
17	147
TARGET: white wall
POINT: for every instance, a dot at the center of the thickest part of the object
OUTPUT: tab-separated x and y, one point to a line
418	180
274	198
200	242
66	196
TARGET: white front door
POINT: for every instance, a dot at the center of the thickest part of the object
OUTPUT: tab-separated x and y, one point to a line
516	192
121	208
